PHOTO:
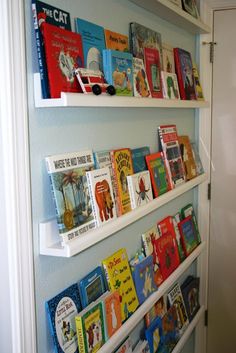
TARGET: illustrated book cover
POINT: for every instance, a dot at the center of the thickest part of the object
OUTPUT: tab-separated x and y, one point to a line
138	158
153	335
142	347
169	144
140	189
112	312
93	43
101	195
118	71
122	166
187	157
67	173
157	310
199	91
176	219
197	159
91	287
153	70
170	85
168	58
190	7
159	173
46	13
170	332
188	235
61	311
90	328
190	292
184	72
64	53
188	210
119	277
141	85
125	347
116	41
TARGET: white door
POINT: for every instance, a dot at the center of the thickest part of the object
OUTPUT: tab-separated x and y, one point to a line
222	258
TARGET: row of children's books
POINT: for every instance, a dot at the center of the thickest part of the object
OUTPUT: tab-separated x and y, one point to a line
89	312
141	66
90	189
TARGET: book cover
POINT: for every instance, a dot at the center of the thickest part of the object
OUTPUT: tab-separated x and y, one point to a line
125	347
140	189
153	70
197	159
170	85
90	328
188	210
61	311
46	13
141	85
122	166
119	277
170	332
187	157
116	41
169	144
168	58
188	235
142	347
153	335
138	158
190	7
112	312
93	43
176	219
184	72
67	173
91	287
199	92
118	71
157	310
64	53
158	173
143	276
190	292
101	195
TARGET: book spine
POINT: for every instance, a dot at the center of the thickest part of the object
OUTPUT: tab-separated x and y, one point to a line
109	285
91	194
117	198
80	334
179	74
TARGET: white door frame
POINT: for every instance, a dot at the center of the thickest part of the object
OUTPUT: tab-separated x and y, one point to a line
17	225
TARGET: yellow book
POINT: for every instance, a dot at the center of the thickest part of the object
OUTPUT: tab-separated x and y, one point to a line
119	277
116	41
199	92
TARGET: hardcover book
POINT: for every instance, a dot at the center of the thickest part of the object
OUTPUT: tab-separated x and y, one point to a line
64	53
112	312
61	311
93	43
91	287
168	58
67	173
119	277
170	85
138	158
199	92
141	85
169	144
140	189
153	335
157	310
188	210
188	234
176	219
46	13
116	41
153	70
170	332
190	292
101	195
118	71
187	157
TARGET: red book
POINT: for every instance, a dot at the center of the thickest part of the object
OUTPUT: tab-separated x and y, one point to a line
153	70
64	53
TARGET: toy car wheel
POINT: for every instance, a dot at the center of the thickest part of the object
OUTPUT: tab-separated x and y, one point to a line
111	90
96	90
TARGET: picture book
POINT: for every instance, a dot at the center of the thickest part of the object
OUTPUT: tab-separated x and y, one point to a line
143	276
157	310
118	71
138	158
101	195
187	157
93	43
46	13
190	7
147	240
64	53
143	37
126	346
116	41
190	292
170	85
158	173
199	92
176	219
153	70
67	173
142	347
188	210
122	166
91	287
168	58
197	159
90	328
119	277
61	311
175	298
112	311
170	332
188	235
140	189
169	144
184	72
141	85
153	335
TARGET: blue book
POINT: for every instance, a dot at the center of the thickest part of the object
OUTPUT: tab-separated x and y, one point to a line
118	71
46	13
91	287
93	43
138	157
153	335
61	311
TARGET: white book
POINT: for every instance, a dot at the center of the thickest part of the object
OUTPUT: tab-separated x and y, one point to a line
140	188
170	85
141	86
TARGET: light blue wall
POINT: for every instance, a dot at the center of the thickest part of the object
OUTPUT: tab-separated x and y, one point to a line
62	130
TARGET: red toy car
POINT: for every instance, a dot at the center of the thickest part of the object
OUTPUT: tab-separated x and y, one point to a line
93	81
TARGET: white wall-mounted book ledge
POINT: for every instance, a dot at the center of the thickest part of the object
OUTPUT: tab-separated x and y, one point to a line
50	241
81	100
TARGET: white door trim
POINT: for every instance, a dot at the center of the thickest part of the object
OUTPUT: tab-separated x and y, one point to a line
16	176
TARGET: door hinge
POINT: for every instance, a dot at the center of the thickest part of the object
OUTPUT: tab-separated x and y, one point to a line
211	44
206	318
209	191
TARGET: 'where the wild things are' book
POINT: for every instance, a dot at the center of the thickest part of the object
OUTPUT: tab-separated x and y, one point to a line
69	187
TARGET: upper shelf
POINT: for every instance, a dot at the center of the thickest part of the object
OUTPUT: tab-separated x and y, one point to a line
88	100
174	14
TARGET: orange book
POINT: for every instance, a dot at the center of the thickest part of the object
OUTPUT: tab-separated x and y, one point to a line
116	41
187	157
113	312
